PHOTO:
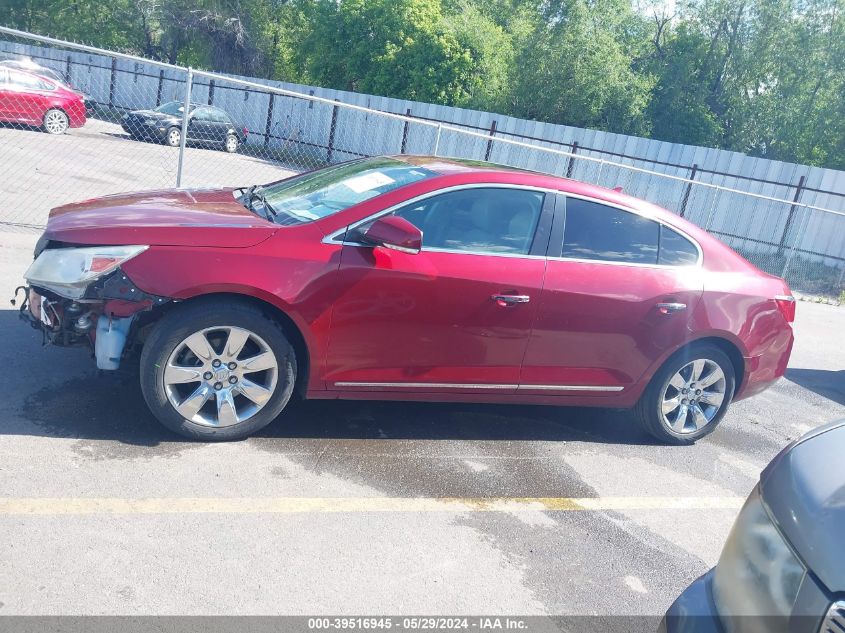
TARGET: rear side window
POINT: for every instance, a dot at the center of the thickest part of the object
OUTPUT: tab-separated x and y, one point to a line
675	249
595	231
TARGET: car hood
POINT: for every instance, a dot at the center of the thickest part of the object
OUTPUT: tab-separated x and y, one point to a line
804	490
174	217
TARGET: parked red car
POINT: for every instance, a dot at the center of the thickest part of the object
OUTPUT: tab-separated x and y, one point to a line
410	278
34	99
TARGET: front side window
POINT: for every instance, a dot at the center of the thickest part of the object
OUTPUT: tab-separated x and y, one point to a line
596	231
218	116
173	108
202	114
324	192
477	219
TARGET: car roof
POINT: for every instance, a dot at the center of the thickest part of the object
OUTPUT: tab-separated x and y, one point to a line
481	171
462	171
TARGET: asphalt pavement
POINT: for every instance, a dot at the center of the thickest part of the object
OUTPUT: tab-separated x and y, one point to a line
367	507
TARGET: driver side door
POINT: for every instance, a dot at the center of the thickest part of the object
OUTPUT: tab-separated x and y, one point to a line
455	317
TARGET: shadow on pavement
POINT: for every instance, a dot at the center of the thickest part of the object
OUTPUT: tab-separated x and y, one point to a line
58	393
825	382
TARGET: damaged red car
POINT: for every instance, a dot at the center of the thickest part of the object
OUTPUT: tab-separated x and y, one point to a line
409	278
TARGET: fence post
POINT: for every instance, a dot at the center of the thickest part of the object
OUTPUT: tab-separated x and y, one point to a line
268	125
798	233
598	175
112	81
571	166
210	92
688	190
711	213
67	66
160	87
437	139
490	142
332	129
799	188
405	132
186	108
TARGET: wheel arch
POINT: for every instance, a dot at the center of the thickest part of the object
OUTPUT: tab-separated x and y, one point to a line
292	329
729	347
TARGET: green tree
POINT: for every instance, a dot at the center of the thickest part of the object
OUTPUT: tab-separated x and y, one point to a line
577	68
399	48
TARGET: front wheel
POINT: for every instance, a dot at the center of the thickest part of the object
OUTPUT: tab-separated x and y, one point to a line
55	122
215	371
231	143
173	137
688	396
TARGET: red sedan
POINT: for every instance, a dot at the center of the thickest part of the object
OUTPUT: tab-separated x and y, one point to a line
34	99
410	278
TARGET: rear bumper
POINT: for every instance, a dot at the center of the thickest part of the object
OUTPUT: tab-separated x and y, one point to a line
694	610
763	370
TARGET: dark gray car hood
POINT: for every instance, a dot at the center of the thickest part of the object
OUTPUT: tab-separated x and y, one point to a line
804	488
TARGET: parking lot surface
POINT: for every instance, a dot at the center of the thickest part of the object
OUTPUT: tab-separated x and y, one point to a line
364	507
41	171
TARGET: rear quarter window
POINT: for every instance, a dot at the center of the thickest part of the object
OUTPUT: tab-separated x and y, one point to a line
675	249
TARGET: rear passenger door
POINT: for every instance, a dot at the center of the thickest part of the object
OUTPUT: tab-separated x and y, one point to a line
619	291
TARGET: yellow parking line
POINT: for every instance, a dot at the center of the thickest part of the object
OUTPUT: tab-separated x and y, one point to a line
286	505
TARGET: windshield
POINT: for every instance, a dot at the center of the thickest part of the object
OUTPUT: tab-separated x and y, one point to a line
173	108
319	194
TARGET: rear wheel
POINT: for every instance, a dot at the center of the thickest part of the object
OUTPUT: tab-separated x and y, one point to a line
688	396
173	137
55	122
216	371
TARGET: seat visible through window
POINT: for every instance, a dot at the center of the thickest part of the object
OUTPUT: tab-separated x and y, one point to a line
486	220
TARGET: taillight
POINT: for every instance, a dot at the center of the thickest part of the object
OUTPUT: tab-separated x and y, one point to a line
786	305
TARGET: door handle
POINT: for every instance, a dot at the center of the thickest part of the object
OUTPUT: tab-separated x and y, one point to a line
669	308
509	300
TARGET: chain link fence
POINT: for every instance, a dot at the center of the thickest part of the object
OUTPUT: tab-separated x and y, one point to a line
78	122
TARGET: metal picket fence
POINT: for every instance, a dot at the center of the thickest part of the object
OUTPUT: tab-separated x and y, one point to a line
242	131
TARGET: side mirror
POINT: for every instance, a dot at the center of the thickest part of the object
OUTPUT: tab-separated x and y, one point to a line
394	232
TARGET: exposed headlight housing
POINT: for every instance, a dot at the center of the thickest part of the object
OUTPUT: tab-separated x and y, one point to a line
69	271
758	576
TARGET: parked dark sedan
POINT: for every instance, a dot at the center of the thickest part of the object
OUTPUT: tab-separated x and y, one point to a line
783	566
207	125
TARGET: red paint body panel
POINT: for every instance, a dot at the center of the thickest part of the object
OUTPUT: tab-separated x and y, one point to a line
169	217
29	106
599	323
430	317
374	315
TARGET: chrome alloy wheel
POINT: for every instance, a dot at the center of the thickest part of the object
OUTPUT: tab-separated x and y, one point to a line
693	396
220	376
55	122
174	137
231	143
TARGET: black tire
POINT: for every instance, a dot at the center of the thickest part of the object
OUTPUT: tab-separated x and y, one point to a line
648	410
173	136
231	144
172	330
